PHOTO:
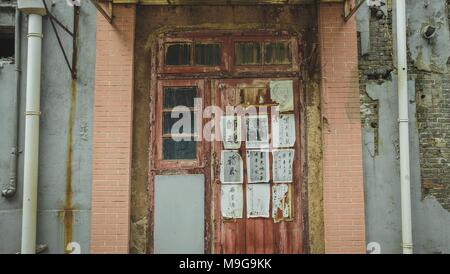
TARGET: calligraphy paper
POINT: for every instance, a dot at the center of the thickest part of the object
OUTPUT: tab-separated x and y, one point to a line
257	166
283	129
258	200
231	201
281	202
282	167
282	93
231	132
231	167
257	131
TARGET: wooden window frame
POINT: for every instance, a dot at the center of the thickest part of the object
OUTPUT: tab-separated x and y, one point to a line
262	67
227	42
161	163
192	68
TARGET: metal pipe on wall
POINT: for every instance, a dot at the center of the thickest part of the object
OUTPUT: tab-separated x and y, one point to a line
11	189
403	116
31	152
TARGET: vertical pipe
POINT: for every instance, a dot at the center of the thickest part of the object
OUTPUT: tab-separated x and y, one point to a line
11	189
31	153
403	115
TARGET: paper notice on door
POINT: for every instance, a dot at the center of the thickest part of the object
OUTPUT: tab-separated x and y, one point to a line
231	167
281	202
231	129
257	131
282	93
231	201
257	166
258	200
283	129
282	167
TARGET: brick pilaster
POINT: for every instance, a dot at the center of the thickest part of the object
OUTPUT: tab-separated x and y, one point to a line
112	132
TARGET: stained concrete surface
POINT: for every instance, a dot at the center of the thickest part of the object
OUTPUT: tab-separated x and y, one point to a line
431	222
56	101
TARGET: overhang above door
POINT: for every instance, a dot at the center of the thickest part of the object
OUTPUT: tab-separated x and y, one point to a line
349	6
218	2
224	2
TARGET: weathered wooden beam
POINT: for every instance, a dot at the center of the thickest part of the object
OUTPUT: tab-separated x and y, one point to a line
219	2
108	16
351	7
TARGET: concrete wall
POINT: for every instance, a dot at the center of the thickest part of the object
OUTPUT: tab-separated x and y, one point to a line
64	194
429	127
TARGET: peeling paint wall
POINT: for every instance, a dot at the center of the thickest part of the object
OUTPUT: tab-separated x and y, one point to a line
429	54
430	127
64	193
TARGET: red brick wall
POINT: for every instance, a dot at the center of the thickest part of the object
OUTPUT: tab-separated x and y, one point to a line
112	132
343	171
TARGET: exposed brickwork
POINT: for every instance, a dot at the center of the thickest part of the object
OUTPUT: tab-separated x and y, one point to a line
376	65
112	132
433	117
343	174
433	107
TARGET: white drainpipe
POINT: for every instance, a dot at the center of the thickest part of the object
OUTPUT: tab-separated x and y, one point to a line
31	152
403	103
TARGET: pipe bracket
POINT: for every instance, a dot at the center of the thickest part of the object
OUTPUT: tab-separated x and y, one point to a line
33	113
34	34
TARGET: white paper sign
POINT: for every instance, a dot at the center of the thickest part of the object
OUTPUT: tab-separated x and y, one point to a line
231	128
257	166
282	167
282	93
231	167
257	131
258	199
281	202
231	201
283	129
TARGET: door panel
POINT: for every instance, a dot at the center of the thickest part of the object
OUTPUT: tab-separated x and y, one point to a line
257	235
179	214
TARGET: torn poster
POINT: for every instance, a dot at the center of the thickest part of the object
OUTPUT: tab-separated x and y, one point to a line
231	201
281	202
231	131
282	167
258	200
257	166
231	167
283	129
257	131
282	93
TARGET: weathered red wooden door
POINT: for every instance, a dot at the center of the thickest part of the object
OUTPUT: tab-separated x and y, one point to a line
256	71
277	232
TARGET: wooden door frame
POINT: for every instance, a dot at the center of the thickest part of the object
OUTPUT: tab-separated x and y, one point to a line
209	165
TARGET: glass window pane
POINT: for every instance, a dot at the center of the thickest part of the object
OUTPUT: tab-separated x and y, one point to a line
277	53
179	96
168	122
6	42
178	54
248	53
183	150
207	54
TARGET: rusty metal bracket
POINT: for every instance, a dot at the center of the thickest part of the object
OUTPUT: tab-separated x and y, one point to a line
39	249
74	34
109	15
351	7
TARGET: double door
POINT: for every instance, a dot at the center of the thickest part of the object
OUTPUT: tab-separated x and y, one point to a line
230	174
